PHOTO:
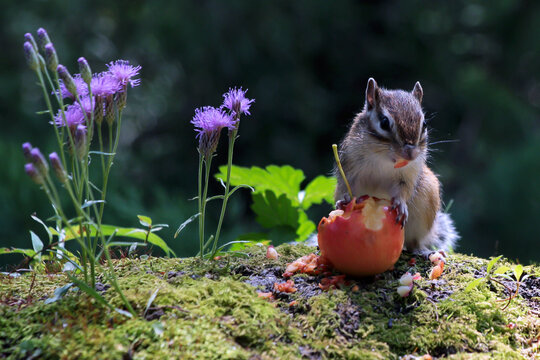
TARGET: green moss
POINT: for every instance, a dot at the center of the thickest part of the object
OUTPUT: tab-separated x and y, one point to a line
205	310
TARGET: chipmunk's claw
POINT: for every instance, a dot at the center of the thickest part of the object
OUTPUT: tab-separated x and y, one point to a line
340	204
403	212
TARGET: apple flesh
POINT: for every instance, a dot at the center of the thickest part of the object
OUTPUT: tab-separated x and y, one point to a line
363	238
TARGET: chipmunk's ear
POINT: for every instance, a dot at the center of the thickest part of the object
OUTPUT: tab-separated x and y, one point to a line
371	93
418	92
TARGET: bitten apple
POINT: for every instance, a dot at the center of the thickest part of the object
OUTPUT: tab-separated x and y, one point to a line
362	239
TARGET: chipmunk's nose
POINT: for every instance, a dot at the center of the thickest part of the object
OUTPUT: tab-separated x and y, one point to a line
410	152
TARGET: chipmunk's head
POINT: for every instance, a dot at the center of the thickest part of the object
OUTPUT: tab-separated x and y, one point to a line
395	122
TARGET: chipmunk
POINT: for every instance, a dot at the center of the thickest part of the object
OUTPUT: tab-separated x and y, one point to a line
384	155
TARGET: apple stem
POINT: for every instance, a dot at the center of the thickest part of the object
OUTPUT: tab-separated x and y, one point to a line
334	147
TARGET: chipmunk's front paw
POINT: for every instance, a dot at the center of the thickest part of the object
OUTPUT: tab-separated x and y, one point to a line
340	204
403	213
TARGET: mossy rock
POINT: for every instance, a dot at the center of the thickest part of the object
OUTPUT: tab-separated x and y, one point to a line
211	310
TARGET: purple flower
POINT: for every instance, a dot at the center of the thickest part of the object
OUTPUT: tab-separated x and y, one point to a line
34	174
209	119
87	105
74	117
236	101
104	84
208	123
123	73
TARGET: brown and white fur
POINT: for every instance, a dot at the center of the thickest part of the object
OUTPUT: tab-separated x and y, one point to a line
391	128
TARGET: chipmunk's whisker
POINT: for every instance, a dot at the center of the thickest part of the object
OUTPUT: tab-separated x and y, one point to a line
444	141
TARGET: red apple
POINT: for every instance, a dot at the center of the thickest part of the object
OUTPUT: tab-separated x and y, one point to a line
362	239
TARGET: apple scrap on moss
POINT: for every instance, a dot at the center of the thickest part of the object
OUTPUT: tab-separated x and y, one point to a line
437	259
406	283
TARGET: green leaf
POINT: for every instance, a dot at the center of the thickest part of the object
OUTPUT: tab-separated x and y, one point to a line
320	189
185	223
241	186
59	293
272	211
126	243
133	233
158	328
150	301
447	208
501	270
26	252
89	290
215	197
37	244
45	226
123	312
306	227
518	271
145	220
90	203
252	240
101	153
232	243
279	179
473	284
491	263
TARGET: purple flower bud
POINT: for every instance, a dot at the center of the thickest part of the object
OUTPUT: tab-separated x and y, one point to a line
27	148
84	68
121	99
31	171
57	167
31	56
80	141
67	79
82	88
99	110
51	59
109	109
31	40
43	38
39	161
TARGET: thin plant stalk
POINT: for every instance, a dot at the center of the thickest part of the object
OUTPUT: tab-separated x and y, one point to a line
199	198
232	138
207	165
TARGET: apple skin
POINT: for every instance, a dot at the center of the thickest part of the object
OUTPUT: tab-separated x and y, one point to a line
354	249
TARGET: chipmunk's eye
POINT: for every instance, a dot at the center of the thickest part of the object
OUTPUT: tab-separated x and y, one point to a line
424	126
385	123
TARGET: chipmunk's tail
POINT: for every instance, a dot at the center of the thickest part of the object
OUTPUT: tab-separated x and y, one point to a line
443	234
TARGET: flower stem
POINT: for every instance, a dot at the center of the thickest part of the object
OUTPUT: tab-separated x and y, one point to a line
232	138
202	201
199	198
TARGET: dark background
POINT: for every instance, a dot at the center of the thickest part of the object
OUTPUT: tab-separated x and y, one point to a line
306	63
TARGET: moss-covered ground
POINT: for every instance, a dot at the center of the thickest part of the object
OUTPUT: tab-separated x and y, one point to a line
211	310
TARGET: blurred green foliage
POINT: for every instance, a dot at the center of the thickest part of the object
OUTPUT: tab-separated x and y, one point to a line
306	63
